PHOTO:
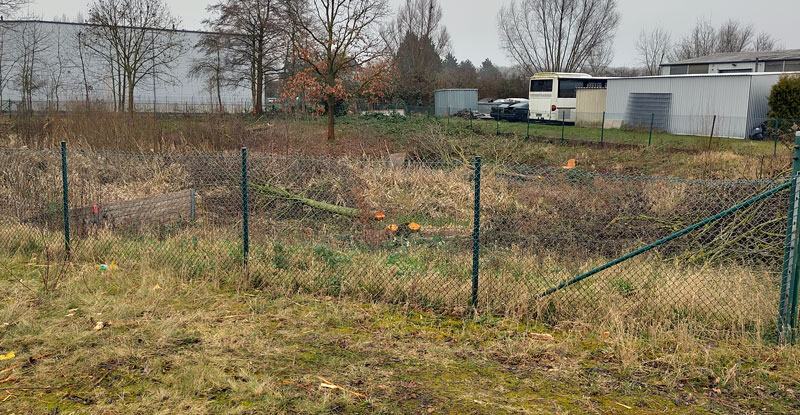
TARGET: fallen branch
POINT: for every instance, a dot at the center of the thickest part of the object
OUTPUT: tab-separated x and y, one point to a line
316	204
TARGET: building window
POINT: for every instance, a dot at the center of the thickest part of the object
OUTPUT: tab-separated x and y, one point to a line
791	66
678	70
773	66
698	69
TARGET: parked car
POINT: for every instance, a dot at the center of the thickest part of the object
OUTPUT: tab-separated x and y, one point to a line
502	109
516	112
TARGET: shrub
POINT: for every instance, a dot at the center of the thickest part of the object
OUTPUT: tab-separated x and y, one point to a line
784	98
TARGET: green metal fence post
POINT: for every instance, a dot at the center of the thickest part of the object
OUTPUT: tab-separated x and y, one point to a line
528	129
795	283
775	136
650	139
788	294
603	128
497	125
563	121
470	119
476	230
65	191
245	210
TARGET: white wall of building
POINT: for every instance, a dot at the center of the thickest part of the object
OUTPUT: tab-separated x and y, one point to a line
58	73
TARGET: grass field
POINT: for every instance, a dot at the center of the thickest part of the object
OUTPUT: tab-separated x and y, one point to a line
170	345
335	314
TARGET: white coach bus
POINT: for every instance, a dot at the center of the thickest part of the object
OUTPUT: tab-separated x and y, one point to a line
553	94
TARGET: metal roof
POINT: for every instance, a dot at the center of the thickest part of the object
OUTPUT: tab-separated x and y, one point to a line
706	75
734	57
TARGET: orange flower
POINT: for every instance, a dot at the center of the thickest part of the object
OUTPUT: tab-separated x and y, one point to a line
414	227
380	216
392	228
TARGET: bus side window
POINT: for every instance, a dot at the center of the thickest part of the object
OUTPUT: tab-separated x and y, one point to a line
567	87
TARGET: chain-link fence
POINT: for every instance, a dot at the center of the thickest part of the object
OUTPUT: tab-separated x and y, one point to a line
551	243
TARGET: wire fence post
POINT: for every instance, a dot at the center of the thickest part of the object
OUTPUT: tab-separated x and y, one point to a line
65	191
789	276
650	139
476	239
245	210
711	137
528	130
470	119
603	128
775	136
563	121
497	123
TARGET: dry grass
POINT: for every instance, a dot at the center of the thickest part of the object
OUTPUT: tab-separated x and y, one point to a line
177	345
427	138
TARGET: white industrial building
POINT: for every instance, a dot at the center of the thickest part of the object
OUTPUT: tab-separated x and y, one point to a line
59	72
736	62
732	104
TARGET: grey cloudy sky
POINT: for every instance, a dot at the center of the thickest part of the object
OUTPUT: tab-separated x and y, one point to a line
473	23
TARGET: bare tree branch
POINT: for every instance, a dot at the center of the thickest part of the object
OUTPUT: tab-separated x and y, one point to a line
654	48
557	35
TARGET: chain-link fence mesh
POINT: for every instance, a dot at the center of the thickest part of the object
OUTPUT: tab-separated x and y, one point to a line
400	230
552	225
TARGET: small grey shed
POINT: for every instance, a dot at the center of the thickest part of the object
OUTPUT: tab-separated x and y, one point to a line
451	101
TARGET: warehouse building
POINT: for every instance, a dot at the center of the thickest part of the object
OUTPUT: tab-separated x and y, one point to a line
736	62
727	105
60	69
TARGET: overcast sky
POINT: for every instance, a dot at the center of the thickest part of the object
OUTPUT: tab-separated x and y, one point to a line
473	23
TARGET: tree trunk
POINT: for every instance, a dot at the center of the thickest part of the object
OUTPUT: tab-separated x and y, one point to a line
331	117
131	109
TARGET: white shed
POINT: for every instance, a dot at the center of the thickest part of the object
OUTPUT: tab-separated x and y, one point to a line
731	104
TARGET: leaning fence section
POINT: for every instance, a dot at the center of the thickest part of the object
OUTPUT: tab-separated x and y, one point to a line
449	235
568	244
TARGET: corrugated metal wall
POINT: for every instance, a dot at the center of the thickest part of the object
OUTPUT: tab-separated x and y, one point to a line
760	87
695	101
590	106
450	101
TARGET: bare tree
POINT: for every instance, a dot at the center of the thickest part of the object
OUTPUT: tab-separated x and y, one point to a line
335	37
254	39
654	48
211	66
765	42
701	41
55	70
10	7
8	59
556	35
734	36
421	18
79	61
138	38
599	59
31	44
